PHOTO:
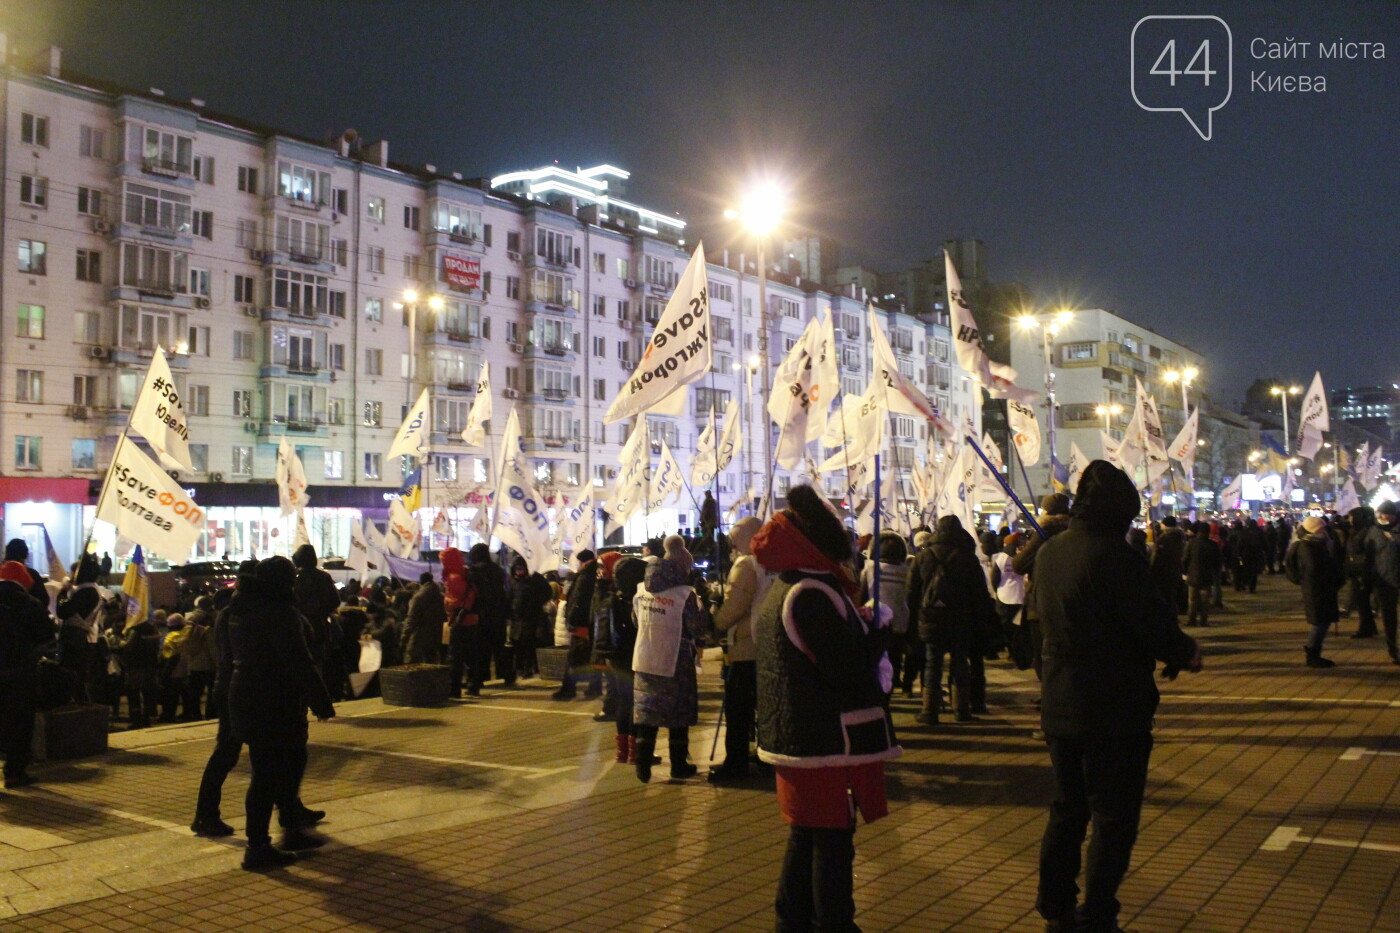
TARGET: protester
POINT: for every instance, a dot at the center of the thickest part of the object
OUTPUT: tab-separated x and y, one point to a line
578	622
1202	569
628	574
427	614
1009	587
18	551
80	614
894	593
140	655
491	603
668	634
273	678
822	721
199	660
25	627
1387	571
317	601
743	596
1168	553
1105	623
948	596
173	669
529	593
1314	561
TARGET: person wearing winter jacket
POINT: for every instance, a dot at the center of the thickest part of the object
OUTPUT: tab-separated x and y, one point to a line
529	594
1314	562
822	719
578	620
1053	520
1105	625
666	692
1386	564
140	655
628	574
490	603
948	591
748	585
422	630
25	627
200	661
1202	568
894	593
80	614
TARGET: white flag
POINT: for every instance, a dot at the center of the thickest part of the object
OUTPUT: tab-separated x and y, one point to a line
666	478
159	415
1154	445
291	479
864	417
1183	448
521	521
791	402
629	490
702	468
358	559
149	507
731	438
889	387
1312	419
475	431
1025	431
826	377
1110	450
1374	466
374	537
1077	463
1230	498
1363	455
679	350
997	378
442	525
1347	499
990	490
576	528
302	536
401	539
412	439
959	493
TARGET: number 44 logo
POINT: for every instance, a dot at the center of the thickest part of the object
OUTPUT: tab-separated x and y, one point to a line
1196	90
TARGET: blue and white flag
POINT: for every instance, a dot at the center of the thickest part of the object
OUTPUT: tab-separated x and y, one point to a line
412	439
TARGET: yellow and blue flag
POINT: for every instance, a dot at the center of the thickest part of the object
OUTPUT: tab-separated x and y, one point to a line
137	590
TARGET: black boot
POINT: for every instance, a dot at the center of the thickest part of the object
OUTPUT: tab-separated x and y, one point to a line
678	740
646	747
1315	658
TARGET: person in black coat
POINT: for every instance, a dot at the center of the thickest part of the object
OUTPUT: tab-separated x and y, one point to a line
80	615
528	594
25	627
1105	626
578	618
1314	562
1203	562
948	596
1168	556
271	680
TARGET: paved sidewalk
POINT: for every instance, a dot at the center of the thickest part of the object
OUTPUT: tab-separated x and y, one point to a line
1272	807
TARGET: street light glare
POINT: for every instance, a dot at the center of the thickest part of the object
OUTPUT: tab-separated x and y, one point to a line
762	209
1027	322
435	302
409	295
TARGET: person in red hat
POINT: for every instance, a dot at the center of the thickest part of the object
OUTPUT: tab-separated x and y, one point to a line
25	627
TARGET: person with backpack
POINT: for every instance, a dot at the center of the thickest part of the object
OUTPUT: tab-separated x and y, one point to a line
953	602
1314	562
1387	571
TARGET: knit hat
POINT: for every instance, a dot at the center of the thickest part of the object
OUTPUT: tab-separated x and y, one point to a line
1387	508
820	526
175	620
12	571
1314	524
1057	503
677	553
923	539
608	561
743	531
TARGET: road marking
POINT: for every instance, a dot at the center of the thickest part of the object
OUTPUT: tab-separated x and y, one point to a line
1357	753
1284	836
1336	701
435	759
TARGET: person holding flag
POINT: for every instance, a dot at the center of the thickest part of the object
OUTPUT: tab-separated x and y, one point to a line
80	614
24	629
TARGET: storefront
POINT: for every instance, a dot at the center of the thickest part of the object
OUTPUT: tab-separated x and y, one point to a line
30	506
244	520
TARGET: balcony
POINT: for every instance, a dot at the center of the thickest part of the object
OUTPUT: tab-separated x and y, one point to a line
157	288
140	355
297	371
296	314
166	168
282	426
446	337
556	395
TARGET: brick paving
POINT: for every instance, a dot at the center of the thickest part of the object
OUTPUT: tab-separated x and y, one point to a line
1272	807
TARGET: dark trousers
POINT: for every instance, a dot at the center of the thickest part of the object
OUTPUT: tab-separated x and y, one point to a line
141	704
913	660
623	691
1386	596
18	692
197	685
274	782
468	656
1360	600
1102	779
740	708
1200	606
216	770
815	888
957	645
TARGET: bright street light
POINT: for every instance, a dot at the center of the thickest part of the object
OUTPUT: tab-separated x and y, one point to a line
1051	323
1283	392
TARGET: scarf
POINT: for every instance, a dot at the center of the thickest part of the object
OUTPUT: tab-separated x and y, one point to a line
780	545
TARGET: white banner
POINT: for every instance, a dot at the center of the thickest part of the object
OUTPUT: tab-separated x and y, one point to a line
1154	442
401	538
1077	463
1183	448
666	478
302	535
889	387
990	490
1312	419
1110	450
475	431
1347	499
792	399
358	559
521	521
959	493
1374	466
1025	431
1230	497
291	479
412	439
159	415
629	490
702	467
679	350
576	527
997	378
149	507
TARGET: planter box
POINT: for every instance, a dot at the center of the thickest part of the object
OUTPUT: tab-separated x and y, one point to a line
553	662
77	730
415	685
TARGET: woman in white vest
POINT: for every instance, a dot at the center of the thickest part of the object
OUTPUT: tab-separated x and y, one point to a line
668	634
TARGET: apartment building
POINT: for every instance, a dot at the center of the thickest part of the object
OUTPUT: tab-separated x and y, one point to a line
310	289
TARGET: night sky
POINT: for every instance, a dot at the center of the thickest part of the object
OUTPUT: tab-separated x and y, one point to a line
1272	248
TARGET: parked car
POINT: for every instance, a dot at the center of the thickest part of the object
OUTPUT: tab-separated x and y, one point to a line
203	578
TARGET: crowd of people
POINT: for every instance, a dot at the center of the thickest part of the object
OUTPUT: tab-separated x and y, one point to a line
820	634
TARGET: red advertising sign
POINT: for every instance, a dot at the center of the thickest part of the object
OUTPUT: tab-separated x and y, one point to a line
461	272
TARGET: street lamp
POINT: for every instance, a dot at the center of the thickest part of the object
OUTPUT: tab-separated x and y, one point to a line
1050	323
1283	392
760	213
1108	412
1185	375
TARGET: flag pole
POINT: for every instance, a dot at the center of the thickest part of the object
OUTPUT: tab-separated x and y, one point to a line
102	495
996	474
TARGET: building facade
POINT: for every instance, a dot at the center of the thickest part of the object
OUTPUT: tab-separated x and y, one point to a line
309	290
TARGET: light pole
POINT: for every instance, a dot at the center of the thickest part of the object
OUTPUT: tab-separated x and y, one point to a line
749	370
1050	324
1283	392
760	213
435	303
1108	412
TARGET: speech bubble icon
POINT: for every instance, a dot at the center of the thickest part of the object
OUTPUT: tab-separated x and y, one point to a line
1183	63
